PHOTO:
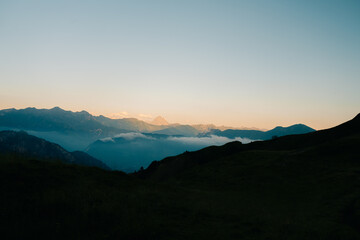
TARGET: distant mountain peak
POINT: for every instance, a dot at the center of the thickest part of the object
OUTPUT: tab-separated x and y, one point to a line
159	120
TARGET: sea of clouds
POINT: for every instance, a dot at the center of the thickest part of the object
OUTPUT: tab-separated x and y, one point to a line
203	141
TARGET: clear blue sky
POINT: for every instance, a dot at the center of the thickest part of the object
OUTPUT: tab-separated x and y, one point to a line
237	63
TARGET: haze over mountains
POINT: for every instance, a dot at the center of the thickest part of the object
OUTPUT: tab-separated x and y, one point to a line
75	130
261	135
325	142
129	152
292	187
57	119
108	139
21	144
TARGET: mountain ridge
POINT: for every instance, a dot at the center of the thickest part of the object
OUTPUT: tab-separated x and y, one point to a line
283	143
23	144
262	135
293	187
77	130
41	119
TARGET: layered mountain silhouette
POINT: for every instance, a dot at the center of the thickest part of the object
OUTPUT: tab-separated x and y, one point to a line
184	130
329	141
77	130
296	187
261	135
22	145
55	119
72	130
128	124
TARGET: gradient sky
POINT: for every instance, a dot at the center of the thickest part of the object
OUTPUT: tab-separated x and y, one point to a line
238	63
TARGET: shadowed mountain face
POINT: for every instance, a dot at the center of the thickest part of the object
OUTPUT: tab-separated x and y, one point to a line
72	130
294	187
25	145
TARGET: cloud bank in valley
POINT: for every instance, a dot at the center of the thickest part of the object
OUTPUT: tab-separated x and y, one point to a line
133	135
208	141
130	151
198	141
127	136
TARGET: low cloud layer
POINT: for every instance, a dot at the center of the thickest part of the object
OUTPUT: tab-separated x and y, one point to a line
107	139
199	141
127	136
208	141
129	151
132	136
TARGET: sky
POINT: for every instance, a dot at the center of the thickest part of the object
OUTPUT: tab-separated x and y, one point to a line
234	63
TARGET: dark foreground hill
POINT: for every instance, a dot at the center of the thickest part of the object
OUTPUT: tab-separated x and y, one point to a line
325	142
294	187
129	152
22	145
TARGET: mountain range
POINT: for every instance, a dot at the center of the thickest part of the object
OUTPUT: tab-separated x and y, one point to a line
330	141
296	187
126	144
261	135
77	130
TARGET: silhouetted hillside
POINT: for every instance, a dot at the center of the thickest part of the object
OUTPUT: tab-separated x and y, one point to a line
301	142
293	187
24	145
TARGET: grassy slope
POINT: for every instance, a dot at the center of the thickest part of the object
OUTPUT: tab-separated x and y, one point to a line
311	192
